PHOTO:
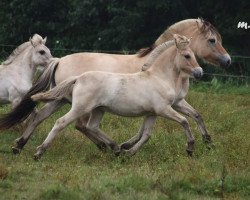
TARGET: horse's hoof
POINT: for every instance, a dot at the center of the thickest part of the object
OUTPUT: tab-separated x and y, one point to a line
102	147
189	152
125	146
16	150
40	150
207	139
37	156
117	151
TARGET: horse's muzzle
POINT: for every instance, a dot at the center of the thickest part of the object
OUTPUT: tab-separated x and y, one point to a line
197	72
224	60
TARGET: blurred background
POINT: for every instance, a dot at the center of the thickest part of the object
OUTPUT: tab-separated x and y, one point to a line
124	26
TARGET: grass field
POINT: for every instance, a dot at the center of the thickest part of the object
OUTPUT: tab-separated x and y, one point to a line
73	168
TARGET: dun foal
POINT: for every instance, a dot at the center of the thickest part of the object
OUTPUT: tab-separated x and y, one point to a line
151	92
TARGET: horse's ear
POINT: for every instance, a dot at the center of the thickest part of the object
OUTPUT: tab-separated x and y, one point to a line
44	40
31	42
176	39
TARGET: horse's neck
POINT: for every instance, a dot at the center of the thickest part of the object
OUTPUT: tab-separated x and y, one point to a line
23	66
186	27
166	70
182	84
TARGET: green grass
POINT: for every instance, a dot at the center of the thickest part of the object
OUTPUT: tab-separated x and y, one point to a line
73	168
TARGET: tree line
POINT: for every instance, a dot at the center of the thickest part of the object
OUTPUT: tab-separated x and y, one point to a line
118	24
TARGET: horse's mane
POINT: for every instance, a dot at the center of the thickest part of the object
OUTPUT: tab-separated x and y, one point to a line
205	28
17	51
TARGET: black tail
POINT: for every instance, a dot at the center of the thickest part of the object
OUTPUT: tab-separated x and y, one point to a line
26	106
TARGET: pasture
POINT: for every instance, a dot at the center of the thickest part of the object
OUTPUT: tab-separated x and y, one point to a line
73	168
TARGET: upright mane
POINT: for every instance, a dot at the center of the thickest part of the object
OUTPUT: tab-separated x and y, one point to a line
16	53
205	28
156	52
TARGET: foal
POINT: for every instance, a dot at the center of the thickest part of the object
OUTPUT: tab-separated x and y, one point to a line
150	92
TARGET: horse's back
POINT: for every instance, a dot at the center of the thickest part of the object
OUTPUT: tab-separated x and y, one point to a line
77	64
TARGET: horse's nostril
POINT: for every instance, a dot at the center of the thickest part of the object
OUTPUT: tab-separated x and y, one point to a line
228	62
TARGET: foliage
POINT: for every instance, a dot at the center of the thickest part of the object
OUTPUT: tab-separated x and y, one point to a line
117	25
111	25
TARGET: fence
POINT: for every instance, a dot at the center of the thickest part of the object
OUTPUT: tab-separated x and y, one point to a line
239	72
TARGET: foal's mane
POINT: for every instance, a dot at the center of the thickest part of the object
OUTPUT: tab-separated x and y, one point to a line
17	51
205	28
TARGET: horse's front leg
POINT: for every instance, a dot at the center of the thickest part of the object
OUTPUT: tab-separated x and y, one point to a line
34	121
183	107
170	113
135	143
60	124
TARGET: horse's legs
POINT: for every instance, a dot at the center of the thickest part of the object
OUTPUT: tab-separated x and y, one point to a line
183	107
60	124
146	131
34	121
81	124
170	113
93	129
146	126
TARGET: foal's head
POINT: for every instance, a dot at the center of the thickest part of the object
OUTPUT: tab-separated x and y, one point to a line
185	59
40	53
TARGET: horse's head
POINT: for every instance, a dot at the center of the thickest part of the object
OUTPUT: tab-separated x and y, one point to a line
185	59
41	54
207	44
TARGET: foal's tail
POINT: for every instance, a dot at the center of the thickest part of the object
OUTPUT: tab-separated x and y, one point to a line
27	105
59	92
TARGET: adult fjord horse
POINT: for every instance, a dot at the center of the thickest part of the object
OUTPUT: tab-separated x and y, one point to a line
206	44
150	92
17	72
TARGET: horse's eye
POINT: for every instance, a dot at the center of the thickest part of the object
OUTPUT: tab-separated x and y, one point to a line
212	41
187	56
42	52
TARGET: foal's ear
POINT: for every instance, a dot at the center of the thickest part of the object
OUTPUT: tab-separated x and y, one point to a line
32	43
177	39
44	40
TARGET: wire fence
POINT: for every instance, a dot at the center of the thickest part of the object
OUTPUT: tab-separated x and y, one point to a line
242	61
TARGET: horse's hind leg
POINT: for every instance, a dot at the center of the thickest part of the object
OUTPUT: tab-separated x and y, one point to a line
148	121
93	128
81	124
60	124
34	121
188	110
147	127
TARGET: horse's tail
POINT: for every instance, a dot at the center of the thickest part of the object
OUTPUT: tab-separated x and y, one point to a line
26	106
61	91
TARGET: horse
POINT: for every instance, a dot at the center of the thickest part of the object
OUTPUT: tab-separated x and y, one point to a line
17	72
206	44
151	92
